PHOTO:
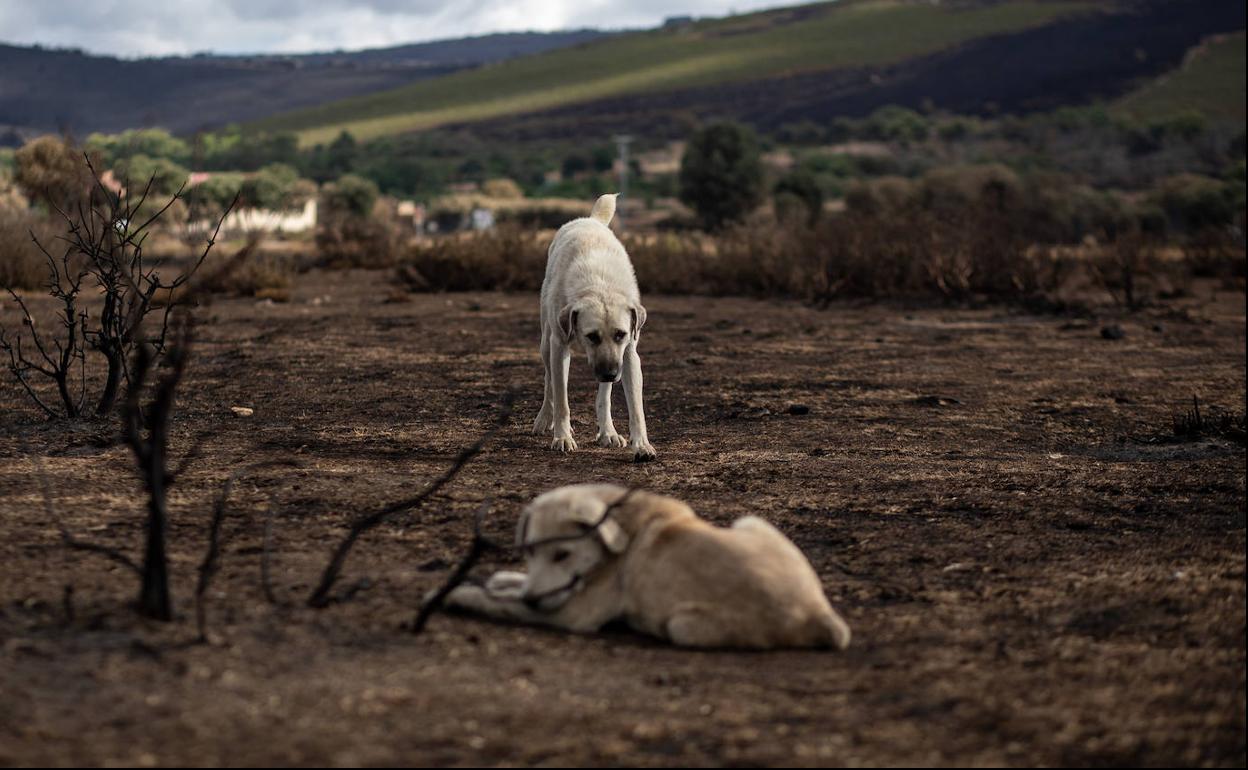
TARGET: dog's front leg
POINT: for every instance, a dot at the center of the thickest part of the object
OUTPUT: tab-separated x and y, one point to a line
544	422
481	600
638	442
560	359
607	436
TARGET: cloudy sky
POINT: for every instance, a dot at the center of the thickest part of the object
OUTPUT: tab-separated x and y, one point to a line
133	28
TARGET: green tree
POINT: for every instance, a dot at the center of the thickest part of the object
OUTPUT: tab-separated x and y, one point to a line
351	196
210	197
721	175
799	186
165	175
275	187
341	156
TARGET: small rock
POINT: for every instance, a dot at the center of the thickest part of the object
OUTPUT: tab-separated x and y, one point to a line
1112	332
936	401
242	411
798	409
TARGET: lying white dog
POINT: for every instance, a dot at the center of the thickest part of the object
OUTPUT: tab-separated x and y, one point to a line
597	553
590	302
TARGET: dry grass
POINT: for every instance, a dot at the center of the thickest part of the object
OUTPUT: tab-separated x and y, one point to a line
22	265
264	275
913	253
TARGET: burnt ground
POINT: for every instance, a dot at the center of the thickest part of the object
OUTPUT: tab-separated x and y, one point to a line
1033	575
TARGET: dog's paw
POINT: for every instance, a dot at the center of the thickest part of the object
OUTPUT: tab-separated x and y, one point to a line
506	584
642	452
542	424
611	439
563	444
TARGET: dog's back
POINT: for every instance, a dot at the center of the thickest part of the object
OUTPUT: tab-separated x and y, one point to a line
585	254
743	586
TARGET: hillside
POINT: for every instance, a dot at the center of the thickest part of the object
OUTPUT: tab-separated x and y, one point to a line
66	90
1078	59
809	62
847	34
1211	80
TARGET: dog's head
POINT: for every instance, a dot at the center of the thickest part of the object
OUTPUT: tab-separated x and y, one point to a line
604	327
566	539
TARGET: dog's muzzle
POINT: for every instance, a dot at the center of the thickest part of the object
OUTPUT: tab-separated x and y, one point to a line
534	601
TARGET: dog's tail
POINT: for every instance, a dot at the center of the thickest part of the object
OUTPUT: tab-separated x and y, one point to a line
604	208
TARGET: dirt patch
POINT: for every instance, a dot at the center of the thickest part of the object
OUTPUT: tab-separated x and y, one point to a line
1028	583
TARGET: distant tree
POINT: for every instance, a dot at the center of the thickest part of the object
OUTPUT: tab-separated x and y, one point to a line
574	164
49	170
721	174
342	154
603	158
1192	202
152	142
351	196
800	187
277	187
165	175
897	124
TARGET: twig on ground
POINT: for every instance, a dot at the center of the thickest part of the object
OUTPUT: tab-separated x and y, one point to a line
320	597
477	548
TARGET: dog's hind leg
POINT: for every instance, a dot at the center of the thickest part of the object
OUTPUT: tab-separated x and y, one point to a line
545	422
637	439
607	436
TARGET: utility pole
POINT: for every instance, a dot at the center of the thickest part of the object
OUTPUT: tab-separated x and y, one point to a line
621	142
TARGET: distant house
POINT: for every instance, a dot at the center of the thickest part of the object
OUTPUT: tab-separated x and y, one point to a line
412	213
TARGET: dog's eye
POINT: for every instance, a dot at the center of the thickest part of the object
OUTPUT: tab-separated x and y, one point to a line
560	556
619	336
594	337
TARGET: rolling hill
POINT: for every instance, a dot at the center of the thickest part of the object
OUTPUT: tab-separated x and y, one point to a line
44	90
1211	79
827	36
809	62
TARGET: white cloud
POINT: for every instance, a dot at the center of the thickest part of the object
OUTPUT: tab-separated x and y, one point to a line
134	28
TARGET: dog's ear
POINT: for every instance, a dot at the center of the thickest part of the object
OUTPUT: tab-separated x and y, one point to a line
567	321
588	511
639	319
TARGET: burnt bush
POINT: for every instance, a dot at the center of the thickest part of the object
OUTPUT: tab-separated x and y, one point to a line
503	258
22	264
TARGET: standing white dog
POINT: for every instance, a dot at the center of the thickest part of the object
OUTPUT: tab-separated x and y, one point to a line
590	301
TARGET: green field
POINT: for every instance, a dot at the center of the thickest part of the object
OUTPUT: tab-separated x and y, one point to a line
844	34
1211	80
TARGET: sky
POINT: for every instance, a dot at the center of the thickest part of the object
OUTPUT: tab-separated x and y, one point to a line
135	28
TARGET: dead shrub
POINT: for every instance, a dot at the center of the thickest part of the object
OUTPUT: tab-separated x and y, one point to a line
261	275
22	264
503	258
1133	270
347	238
671	262
1214	253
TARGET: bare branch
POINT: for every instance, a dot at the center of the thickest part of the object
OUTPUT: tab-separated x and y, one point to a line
320	597
476	549
212	555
